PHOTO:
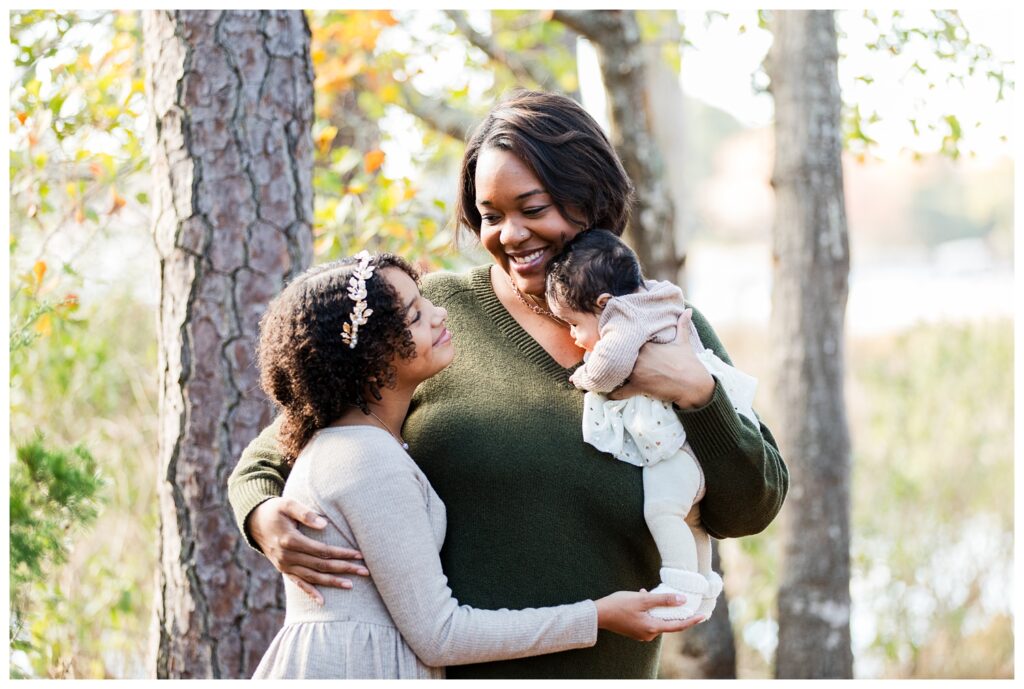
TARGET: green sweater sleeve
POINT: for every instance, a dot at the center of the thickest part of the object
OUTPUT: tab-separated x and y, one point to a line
745	475
259	475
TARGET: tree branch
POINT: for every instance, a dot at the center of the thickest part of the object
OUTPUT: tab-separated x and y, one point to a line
436	113
529	72
593	25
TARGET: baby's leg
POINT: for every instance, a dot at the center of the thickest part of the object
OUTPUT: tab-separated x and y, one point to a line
670	488
703	546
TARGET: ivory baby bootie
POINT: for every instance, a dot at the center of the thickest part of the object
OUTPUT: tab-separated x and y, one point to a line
692	585
707	604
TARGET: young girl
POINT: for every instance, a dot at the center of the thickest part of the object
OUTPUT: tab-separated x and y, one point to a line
341	351
595	284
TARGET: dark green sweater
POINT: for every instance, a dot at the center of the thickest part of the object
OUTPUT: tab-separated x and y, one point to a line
537	517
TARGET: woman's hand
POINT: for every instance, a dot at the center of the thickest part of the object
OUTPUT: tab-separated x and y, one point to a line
305	561
670	372
625	612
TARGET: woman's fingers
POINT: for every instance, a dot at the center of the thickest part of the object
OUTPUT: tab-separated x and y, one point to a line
663	600
317	578
317	563
307	589
302	514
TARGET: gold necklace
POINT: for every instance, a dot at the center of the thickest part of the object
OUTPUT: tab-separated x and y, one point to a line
405	445
532	306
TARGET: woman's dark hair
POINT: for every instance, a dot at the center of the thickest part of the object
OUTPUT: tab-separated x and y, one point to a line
304	365
564	148
590	264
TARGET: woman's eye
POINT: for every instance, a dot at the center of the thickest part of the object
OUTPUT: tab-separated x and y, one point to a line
488	219
536	210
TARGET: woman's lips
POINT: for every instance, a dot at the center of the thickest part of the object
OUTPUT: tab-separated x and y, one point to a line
527	262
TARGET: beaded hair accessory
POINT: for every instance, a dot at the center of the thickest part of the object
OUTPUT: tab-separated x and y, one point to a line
357	293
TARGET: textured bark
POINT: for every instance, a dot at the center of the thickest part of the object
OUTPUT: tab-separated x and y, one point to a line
231	105
810	286
621	57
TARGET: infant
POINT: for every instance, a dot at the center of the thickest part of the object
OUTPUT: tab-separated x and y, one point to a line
596	285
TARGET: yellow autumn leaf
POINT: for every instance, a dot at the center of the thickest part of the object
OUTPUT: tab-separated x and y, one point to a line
356	188
393	229
373	160
44	326
325	138
38	271
389	93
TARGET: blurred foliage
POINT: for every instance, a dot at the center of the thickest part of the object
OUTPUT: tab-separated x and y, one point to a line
932	550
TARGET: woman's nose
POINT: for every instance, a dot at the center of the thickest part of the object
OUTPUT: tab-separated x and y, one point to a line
513	233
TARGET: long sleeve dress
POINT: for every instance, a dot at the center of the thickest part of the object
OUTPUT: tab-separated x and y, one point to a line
401	621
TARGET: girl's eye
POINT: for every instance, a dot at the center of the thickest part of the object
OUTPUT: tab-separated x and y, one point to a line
416	318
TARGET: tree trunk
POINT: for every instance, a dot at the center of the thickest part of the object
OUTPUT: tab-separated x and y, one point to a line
620	53
812	261
231	103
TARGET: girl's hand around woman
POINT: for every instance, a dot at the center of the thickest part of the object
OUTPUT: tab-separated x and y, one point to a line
670	372
273	525
625	613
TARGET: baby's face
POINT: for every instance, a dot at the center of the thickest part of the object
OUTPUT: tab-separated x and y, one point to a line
583	325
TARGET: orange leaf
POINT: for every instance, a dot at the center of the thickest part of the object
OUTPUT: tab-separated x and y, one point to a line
116	202
96	169
79	214
44	326
373	160
22	116
38	271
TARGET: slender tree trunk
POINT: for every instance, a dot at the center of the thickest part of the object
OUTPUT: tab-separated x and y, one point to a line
812	261
621	57
231	102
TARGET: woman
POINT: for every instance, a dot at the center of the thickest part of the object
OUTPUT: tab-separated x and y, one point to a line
341	351
535	516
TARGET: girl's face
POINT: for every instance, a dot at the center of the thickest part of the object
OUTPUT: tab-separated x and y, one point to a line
434	350
520	226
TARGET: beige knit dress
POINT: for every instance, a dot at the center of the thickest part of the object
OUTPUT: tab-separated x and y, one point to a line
401	621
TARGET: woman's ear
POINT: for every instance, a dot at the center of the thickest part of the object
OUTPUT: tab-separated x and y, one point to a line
603	299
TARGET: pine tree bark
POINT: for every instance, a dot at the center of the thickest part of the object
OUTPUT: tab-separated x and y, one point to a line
231	106
810	286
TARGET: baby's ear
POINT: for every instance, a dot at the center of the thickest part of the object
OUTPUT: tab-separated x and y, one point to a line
603	300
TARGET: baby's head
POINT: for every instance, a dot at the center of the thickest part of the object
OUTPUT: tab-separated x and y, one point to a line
592	268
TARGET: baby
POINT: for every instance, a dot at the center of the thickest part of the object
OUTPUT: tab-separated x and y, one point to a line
595	284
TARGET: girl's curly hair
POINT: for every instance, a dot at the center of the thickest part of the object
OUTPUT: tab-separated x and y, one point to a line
304	365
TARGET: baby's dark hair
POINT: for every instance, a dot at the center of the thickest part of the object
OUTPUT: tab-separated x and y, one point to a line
591	263
307	369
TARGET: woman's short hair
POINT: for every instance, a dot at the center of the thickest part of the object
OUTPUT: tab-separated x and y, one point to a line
590	264
307	369
565	149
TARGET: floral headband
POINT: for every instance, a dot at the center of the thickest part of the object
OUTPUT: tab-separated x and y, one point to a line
357	293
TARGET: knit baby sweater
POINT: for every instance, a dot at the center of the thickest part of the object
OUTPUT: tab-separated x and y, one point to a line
626	323
537	517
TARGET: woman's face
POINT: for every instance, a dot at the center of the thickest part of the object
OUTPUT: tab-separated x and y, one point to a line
434	350
519	224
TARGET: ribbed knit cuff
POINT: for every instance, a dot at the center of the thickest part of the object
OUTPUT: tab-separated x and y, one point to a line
714	429
246	497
